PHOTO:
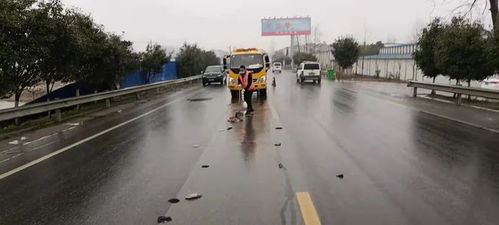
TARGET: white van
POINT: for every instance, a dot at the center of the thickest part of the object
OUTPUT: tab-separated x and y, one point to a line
491	82
308	71
277	67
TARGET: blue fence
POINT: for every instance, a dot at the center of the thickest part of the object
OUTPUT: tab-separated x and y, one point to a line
138	78
69	91
133	79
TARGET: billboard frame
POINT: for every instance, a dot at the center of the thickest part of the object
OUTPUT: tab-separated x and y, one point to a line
273	20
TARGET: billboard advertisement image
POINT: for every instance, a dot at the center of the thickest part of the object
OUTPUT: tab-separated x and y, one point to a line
286	26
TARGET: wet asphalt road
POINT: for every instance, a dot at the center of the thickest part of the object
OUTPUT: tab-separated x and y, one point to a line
400	165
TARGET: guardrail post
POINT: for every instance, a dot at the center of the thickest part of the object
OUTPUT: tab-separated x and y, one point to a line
108	103
95	92
49	112
137	96
459	99
415	92
158	91
58	115
77	95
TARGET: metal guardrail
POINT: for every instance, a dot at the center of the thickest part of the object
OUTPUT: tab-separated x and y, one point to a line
459	90
33	109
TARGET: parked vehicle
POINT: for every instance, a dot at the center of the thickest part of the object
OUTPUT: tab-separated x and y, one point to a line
214	74
277	67
308	71
491	82
256	61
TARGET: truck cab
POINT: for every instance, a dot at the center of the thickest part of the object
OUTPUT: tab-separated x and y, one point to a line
255	60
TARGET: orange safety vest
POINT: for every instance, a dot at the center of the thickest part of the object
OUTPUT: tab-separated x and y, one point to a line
244	81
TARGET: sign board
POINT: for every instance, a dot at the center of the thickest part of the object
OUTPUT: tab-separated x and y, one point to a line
286	26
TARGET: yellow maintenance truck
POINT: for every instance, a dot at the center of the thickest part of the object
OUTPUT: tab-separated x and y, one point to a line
255	60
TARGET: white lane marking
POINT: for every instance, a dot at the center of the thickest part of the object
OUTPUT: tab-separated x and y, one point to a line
274	113
465	105
17	155
39	160
40	146
9	150
68	129
39	139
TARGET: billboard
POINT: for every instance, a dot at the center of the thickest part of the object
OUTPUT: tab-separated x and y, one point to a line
286	26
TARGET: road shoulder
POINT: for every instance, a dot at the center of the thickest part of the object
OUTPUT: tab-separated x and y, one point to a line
401	95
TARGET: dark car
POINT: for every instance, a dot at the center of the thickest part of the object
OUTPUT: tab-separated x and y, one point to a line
214	74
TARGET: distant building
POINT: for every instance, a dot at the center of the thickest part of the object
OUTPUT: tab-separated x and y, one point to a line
324	55
321	51
393	61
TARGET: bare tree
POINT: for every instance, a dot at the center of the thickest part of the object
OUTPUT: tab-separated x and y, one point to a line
417	28
494	11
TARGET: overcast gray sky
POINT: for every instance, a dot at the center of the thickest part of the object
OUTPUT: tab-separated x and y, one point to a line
218	24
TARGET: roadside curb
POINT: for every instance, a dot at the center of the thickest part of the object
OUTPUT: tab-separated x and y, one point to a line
459	121
465	105
439	115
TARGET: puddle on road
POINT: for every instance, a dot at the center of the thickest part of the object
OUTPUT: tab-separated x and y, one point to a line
198	99
163	219
173	200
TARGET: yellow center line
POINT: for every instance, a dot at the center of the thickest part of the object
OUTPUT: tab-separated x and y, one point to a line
307	208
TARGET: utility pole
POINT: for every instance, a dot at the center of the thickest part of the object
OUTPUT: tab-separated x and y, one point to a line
363	55
307	46
298	42
291	50
316	37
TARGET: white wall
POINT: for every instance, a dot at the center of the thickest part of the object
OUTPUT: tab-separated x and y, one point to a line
325	59
403	69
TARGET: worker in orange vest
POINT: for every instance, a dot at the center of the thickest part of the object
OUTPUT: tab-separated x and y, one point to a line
246	81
